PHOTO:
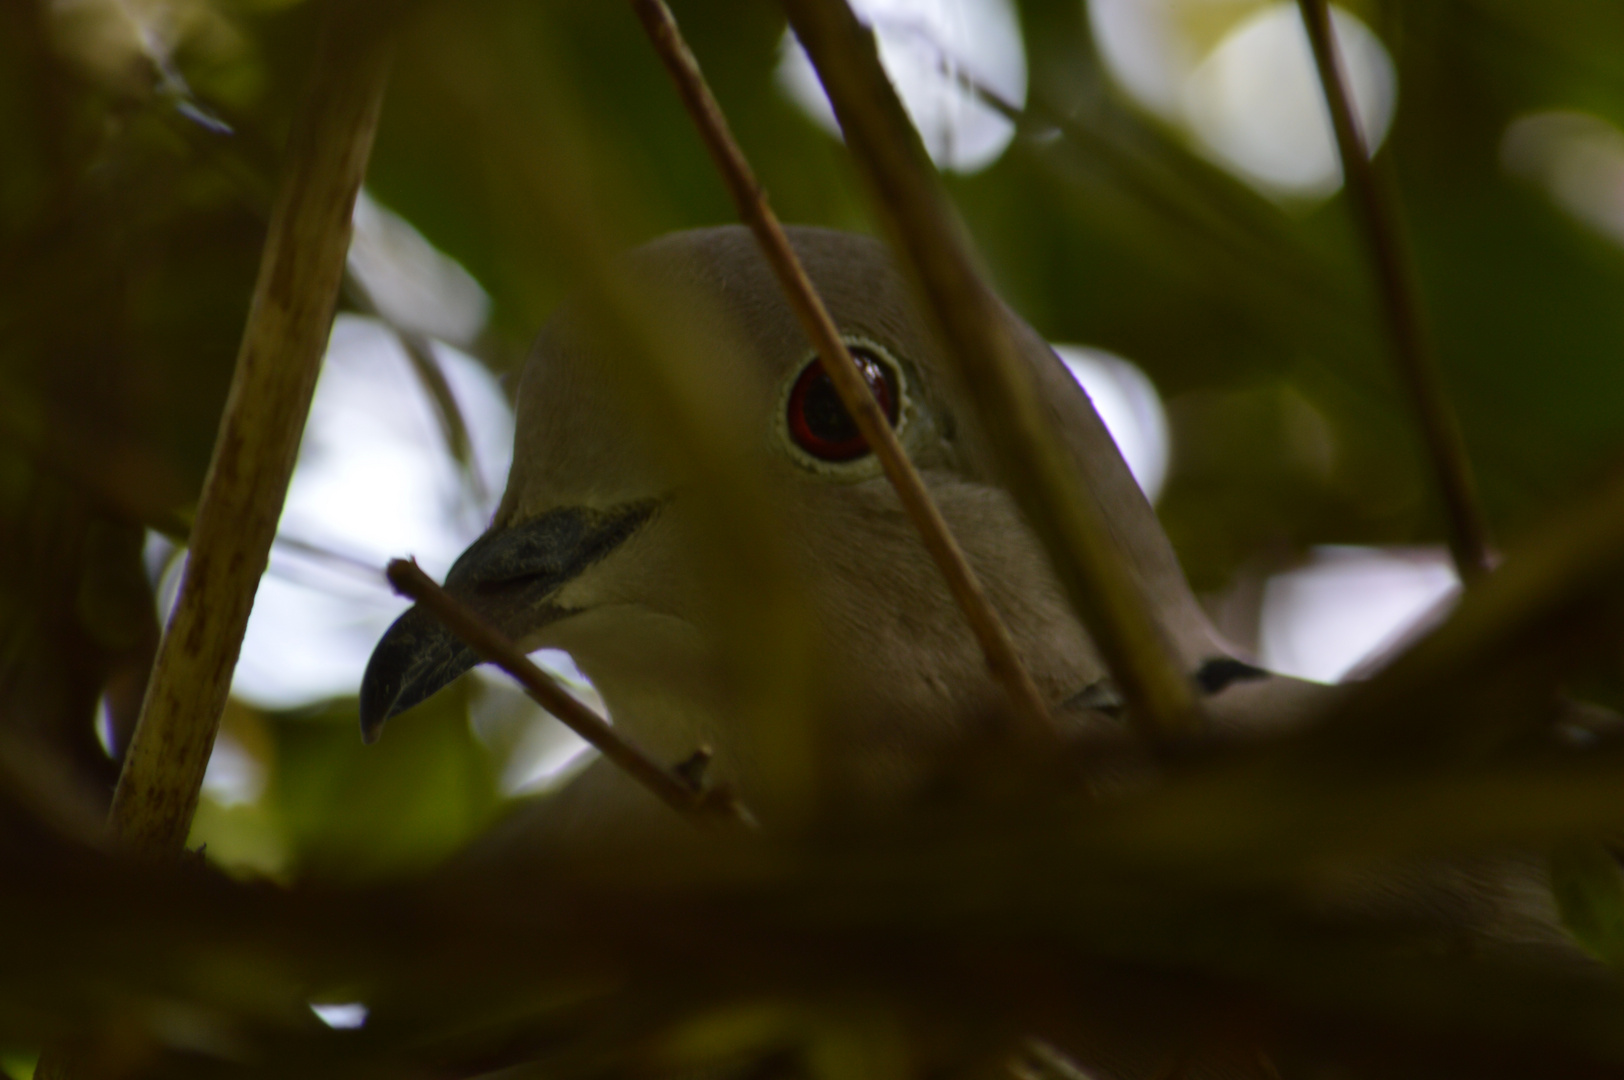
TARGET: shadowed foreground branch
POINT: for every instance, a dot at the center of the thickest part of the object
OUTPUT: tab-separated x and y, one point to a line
1044	923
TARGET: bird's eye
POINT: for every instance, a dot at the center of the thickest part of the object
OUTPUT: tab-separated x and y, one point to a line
820	424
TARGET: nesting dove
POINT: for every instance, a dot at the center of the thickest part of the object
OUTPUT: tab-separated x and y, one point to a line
590	550
605	545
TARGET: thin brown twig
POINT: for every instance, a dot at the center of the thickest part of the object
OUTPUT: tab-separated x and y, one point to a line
282	347
855	393
677	789
927	234
1376	203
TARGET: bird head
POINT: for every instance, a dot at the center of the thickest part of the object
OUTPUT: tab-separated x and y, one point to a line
607	542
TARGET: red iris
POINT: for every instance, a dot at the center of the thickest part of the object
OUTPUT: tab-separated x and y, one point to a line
818	421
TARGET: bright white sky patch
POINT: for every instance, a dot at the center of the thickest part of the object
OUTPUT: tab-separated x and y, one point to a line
409	281
923	45
234	776
1257	104
1238	76
540	753
1151	46
1577	158
1130	408
1321	620
375	480
344	1015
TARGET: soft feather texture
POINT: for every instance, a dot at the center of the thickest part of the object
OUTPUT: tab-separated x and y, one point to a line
896	668
897	677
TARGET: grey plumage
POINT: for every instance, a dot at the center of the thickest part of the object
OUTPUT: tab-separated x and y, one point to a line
895	665
894	676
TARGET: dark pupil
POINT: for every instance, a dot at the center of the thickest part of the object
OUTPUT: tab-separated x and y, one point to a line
826	418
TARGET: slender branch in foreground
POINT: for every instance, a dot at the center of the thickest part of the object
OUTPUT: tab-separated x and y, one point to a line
679	788
927	234
855	393
254	454
282	346
1376	203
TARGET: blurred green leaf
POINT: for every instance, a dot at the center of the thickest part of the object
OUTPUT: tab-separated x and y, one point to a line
350	811
1589	888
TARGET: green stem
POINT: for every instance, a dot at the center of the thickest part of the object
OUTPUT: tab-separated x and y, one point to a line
1376	204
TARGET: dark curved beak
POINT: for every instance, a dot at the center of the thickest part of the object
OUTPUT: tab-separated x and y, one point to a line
511	577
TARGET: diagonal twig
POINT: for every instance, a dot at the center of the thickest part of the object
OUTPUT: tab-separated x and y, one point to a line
855	393
913	205
1376	203
678	789
254	454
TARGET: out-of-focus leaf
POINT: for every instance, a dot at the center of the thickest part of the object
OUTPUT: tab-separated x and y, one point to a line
352	811
1589	888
